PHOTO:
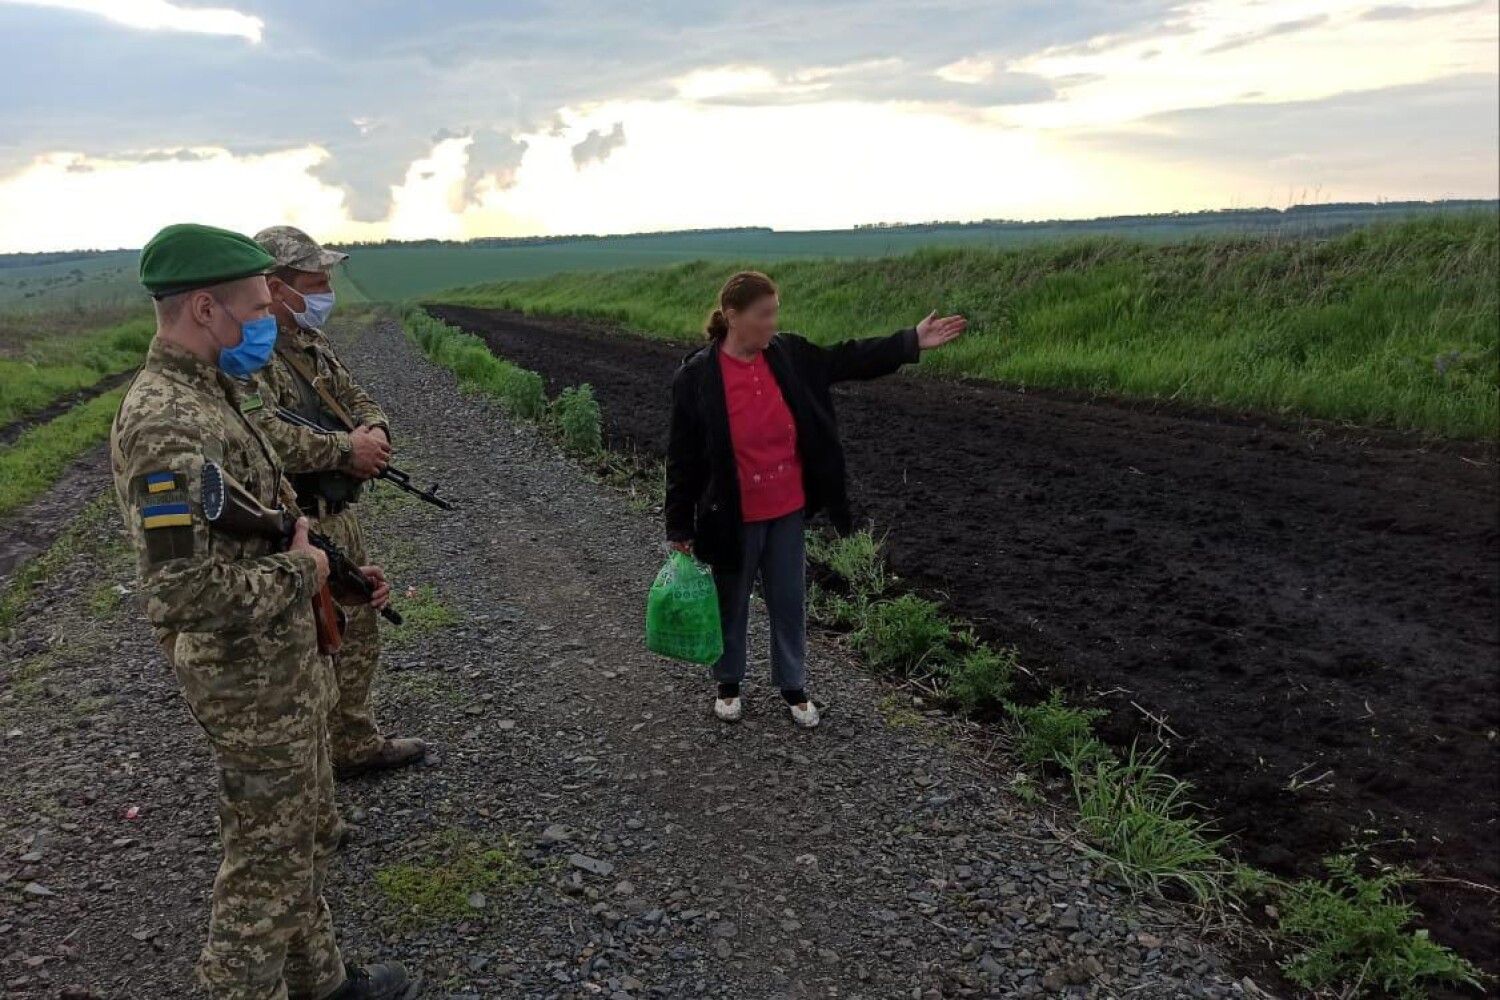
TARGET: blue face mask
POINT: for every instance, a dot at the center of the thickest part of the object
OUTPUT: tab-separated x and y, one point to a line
316	308
257	340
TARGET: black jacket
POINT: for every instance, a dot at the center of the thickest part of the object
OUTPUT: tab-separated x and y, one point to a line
703	494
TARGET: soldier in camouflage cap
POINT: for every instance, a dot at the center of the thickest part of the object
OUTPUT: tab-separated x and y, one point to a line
234	618
327	470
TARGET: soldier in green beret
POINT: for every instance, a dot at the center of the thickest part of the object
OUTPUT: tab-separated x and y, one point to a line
234	618
305	376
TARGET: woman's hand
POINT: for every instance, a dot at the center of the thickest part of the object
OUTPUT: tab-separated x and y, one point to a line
935	332
686	548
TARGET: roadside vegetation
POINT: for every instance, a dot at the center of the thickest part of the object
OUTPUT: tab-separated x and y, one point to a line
43	360
32	463
1393	325
572	418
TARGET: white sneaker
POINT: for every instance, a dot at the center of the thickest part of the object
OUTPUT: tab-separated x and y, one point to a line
729	709
805	716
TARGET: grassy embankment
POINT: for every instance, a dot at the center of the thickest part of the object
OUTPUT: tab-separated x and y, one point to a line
39	368
1390	326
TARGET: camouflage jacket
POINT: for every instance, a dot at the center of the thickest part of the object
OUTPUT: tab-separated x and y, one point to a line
277	384
236	613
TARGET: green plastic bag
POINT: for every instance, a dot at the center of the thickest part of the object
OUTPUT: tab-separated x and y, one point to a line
682	612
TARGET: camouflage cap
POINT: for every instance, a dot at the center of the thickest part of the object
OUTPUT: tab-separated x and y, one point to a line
187	255
295	249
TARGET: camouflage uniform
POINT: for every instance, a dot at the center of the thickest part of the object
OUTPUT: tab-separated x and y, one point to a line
236	620
353	732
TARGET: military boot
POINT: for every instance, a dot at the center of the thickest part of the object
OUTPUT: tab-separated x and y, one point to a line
386	981
391	753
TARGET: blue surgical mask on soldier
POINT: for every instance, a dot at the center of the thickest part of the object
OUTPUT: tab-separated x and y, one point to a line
316	308
257	340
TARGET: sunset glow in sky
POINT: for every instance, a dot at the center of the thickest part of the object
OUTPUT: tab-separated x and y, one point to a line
452	119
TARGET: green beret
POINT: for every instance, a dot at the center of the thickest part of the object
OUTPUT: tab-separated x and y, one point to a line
186	256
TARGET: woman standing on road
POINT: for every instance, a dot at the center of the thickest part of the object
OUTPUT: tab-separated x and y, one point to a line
753	452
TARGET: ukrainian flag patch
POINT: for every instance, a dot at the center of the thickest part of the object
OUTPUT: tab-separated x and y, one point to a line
160	482
166	515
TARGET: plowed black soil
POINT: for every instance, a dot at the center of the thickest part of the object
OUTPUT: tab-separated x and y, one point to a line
1315	611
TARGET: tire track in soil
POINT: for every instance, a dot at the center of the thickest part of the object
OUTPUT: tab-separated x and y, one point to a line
1292	599
873	858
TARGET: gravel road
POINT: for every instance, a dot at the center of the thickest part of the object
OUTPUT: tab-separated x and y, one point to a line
662	854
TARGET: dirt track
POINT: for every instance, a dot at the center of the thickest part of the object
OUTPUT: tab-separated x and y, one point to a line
668	856
1308	608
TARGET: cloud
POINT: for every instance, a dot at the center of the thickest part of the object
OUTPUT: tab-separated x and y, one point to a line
509	90
1270	31
597	146
372	90
1353	146
1408	12
161	15
970	69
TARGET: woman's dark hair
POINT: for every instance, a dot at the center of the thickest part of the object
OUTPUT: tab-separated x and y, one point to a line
738	292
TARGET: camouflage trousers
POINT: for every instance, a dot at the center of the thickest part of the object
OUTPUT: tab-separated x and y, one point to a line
352	731
270	935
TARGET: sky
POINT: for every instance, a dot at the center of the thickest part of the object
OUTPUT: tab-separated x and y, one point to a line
451	119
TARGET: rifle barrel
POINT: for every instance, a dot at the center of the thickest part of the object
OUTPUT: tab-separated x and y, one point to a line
390	473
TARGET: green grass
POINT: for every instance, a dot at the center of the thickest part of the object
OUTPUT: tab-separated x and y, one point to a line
1055	733
904	635
1144	827
575	413
443	885
856	559
46	366
1392	325
518	389
33	461
980	679
422	613
393	272
50	285
1353	933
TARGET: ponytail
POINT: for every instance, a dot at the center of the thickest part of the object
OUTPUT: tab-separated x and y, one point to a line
717	327
738	292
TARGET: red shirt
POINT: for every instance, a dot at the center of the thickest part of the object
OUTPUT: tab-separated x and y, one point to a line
765	440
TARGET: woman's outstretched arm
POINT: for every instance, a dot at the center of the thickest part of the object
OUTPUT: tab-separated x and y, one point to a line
872	357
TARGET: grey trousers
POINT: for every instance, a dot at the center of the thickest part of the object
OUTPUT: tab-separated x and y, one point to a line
773	553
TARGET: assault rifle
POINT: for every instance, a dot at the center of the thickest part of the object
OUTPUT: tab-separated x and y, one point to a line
229	507
390	473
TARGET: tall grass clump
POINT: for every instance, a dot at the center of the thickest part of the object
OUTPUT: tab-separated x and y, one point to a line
980	679
904	635
1055	733
1391	325
1353	933
576	414
1141	822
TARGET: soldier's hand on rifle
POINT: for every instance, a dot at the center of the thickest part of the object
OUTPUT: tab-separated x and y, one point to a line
382	595
301	544
370	452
